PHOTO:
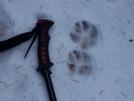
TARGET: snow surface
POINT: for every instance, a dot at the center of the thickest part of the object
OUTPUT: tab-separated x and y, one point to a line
112	78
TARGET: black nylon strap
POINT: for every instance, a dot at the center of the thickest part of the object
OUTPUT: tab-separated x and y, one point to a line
14	41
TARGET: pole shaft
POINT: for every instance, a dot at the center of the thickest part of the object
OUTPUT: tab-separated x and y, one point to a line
46	74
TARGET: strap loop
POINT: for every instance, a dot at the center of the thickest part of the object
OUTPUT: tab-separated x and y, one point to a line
14	41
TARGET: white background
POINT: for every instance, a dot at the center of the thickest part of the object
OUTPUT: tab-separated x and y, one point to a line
113	55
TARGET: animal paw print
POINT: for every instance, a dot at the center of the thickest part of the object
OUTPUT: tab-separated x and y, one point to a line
84	34
80	63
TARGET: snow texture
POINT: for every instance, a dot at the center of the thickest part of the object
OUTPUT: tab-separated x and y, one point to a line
97	66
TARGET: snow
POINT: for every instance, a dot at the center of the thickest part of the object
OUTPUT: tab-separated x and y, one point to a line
112	78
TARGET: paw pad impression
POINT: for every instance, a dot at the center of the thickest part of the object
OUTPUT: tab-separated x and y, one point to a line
84	34
80	63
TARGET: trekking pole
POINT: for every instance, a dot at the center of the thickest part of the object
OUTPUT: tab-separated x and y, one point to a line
41	30
43	27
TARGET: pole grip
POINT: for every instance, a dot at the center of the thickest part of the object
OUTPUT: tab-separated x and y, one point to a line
43	27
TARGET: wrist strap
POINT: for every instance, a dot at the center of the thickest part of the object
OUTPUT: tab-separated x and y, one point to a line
14	41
